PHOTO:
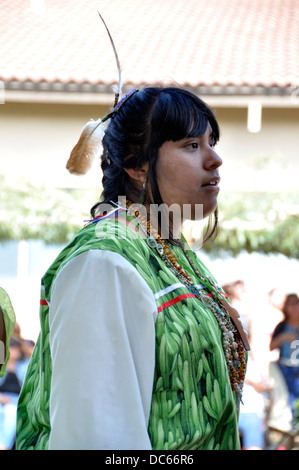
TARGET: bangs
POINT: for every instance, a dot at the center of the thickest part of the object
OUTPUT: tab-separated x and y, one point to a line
181	115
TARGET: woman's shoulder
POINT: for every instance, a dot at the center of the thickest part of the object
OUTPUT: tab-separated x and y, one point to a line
116	236
106	235
114	240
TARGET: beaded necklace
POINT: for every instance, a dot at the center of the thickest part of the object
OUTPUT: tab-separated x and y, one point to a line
234	339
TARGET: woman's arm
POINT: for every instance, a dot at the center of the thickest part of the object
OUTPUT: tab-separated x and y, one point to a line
284	337
102	343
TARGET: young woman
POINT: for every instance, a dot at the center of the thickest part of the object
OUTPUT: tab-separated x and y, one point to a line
137	348
286	340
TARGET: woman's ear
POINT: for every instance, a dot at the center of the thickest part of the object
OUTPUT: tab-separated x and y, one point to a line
138	174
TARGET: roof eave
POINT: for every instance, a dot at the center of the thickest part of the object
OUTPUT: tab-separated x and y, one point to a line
102	94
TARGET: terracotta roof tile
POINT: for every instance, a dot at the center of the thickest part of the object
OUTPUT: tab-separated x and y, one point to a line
193	42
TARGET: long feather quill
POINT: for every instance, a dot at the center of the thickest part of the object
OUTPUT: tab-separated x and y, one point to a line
89	143
120	84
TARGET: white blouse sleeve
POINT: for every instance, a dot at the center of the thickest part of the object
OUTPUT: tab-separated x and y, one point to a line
102	341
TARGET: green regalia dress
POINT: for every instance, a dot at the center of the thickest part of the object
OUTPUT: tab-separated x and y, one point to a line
181	399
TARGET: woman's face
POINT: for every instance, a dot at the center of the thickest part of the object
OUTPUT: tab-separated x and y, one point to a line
292	308
187	174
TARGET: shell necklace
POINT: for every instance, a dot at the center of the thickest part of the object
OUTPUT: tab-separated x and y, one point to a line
234	338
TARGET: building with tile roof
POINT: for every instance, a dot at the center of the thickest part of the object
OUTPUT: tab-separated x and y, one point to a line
219	47
57	68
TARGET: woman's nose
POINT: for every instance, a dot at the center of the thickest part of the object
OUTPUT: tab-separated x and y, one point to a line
212	159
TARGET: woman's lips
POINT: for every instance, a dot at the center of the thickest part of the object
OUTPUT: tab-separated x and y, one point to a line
212	184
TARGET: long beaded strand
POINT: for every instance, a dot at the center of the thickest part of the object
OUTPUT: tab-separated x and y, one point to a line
232	345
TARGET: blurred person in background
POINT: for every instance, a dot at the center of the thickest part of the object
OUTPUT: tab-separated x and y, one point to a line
285	339
279	415
252	410
20	351
27	345
276	301
10	387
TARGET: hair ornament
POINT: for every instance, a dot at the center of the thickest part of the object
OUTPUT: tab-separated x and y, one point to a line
118	91
106	157
124	99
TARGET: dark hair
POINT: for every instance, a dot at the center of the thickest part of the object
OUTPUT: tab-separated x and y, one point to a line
135	133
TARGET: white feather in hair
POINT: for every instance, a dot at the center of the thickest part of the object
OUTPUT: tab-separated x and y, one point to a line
89	143
86	149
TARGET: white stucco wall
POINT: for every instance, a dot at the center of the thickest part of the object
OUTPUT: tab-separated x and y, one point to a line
36	139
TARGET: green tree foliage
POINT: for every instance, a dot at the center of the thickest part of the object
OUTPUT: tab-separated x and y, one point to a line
31	212
258	222
248	221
